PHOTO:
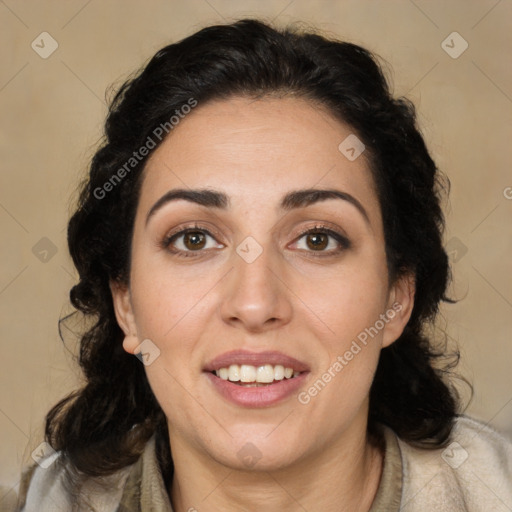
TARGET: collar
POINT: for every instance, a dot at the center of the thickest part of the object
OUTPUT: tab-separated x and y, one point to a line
145	489
389	493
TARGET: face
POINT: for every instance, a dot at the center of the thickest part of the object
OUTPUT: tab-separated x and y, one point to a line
246	278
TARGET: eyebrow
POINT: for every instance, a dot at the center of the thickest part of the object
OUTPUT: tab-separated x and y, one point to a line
219	200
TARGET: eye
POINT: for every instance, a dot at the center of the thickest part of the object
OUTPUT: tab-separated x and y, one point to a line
190	240
193	240
320	238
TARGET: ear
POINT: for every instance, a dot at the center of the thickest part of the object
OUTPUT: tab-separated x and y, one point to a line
124	314
399	308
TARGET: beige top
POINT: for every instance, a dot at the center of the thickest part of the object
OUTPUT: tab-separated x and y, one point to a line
473	474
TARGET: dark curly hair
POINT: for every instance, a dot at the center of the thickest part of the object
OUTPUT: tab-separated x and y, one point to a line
105	425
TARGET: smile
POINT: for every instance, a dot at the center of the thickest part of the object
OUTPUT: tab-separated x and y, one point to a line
252	376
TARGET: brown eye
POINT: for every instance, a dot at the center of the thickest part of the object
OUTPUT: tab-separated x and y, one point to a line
194	240
323	241
317	241
190	242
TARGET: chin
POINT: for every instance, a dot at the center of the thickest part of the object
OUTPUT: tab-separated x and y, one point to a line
257	454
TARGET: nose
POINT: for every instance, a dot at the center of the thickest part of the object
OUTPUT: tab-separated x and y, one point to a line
256	296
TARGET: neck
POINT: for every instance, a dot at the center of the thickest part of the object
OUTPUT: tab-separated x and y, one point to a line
343	477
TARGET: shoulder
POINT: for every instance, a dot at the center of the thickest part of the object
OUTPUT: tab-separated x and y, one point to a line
48	487
473	472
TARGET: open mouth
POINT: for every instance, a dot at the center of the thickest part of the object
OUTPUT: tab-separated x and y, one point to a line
255	376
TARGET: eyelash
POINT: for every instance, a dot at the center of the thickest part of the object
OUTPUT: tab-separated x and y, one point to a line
318	229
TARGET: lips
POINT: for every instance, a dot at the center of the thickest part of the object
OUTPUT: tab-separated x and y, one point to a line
255	359
256	395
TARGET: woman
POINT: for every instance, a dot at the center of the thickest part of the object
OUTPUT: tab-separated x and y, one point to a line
259	241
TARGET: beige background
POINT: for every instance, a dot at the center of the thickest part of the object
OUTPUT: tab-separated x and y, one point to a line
52	112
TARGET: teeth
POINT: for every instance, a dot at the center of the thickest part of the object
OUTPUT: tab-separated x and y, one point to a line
233	373
264	374
247	373
278	372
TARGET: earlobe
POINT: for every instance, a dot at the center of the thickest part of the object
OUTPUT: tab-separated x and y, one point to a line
130	344
399	308
124	314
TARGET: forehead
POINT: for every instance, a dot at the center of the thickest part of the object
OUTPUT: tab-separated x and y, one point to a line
256	150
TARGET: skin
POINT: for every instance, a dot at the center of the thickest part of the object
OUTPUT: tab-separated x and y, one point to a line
316	455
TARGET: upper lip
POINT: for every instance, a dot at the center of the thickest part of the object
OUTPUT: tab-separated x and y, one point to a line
255	359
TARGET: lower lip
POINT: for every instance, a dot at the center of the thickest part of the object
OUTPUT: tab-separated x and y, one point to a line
261	396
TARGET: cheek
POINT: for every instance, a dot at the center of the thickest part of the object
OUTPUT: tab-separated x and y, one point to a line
173	309
352	309
353	350
348	301
165	297
350	304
